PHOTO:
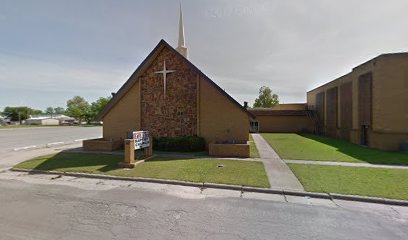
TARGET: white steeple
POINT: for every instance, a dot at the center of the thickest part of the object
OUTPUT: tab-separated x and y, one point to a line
181	48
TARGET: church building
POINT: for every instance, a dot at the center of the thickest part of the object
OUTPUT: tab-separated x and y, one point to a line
168	96
368	106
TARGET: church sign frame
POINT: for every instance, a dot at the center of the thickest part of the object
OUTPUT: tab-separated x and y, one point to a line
141	139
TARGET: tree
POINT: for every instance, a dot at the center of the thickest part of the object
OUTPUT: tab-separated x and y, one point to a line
59	110
19	113
50	111
97	106
266	99
34	111
78	108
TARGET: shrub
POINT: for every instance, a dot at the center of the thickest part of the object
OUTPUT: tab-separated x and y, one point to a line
179	144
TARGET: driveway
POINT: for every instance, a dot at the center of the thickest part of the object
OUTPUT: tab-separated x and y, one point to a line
19	144
19	138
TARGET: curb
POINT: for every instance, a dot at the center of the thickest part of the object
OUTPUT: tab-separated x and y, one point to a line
307	194
331	196
222	186
262	190
356	198
107	177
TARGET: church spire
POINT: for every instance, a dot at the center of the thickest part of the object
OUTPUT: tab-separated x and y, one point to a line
181	48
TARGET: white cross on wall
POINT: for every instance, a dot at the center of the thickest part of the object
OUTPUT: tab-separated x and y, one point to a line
165	72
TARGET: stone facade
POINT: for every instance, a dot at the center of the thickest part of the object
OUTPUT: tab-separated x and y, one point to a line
173	114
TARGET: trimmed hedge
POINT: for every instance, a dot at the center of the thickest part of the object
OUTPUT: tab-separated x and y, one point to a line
179	144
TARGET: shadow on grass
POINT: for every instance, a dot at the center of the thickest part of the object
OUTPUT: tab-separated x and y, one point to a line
176	158
365	154
69	161
203	153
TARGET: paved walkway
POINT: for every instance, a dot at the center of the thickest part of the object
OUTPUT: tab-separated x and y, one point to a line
279	174
346	164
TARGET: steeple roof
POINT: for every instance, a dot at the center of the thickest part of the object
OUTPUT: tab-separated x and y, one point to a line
181	47
181	39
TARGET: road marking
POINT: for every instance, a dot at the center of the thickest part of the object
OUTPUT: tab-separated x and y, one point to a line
54	143
25	148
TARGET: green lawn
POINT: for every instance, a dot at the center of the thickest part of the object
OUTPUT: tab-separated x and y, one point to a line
248	173
203	153
253	151
313	147
376	182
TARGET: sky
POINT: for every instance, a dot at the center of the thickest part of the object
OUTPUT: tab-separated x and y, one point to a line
53	50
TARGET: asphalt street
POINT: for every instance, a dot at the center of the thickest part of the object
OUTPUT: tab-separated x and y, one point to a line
17	139
44	207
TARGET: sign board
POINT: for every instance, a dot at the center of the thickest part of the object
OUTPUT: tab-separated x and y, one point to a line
142	139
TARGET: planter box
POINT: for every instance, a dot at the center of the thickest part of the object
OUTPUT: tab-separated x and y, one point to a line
101	144
228	150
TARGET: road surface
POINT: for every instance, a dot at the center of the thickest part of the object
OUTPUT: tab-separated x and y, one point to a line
16	139
42	207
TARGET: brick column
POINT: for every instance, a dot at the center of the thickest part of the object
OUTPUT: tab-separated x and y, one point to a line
129	159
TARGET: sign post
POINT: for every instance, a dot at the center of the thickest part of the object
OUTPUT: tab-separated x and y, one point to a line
138	140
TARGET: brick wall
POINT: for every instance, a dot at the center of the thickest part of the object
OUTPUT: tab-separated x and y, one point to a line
346	109
331	111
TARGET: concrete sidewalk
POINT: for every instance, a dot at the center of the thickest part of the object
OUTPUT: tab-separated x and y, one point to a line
279	174
346	164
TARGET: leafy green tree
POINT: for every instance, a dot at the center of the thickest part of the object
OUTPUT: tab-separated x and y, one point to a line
78	108
266	99
59	110
97	106
50	111
19	113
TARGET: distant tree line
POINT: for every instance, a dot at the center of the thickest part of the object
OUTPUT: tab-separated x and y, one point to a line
19	113
77	107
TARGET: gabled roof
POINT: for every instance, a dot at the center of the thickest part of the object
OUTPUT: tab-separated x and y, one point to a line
144	65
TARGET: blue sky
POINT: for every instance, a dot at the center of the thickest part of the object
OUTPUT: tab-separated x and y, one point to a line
53	50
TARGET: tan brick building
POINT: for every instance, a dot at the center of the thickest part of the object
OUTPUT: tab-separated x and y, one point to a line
367	106
283	118
184	102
